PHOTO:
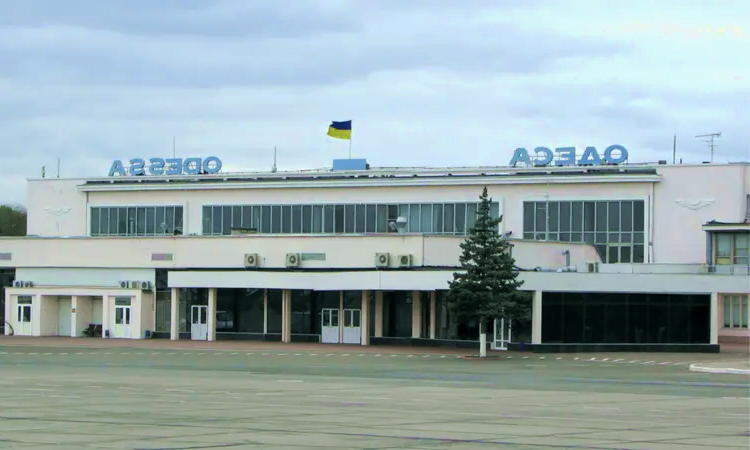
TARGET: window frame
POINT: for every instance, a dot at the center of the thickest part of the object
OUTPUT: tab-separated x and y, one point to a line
126	208
728	312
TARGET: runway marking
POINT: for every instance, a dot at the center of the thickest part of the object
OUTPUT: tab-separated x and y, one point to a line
289	381
345	354
297	354
408	356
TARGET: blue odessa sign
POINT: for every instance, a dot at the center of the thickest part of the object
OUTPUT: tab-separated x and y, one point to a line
168	166
566	156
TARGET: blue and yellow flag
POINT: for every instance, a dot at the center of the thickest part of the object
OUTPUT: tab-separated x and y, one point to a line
340	130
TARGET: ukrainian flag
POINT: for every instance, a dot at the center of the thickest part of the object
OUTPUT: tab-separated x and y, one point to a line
340	130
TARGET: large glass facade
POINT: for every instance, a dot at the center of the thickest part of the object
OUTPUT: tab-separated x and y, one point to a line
429	218
615	318
397	314
615	228
136	220
240	310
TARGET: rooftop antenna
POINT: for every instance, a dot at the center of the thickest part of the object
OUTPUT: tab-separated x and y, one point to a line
710	140
674	149
273	168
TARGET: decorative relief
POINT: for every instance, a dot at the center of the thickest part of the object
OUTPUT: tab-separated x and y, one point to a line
694	204
58	211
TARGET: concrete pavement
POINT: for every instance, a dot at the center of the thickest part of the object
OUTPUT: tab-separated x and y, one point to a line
62	397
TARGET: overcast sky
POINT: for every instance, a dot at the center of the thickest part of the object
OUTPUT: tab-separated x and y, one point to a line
431	82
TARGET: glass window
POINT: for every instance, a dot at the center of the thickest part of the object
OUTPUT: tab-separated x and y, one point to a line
414	218
122	221
317	219
328	214
216	220
540	223
307	218
236	217
350	218
140	221
275	219
286	219
613	216
178	218
495	210
723	248
247	217
449	211
626	216
638	256
437	218
553	209
528	220
565	217
382	219
265	219
338	220
471	215
296	219
735	311
741	250
460	218
226	219
360	213
601	216
577	217
95	213
371	218
638	216
150	221
104	222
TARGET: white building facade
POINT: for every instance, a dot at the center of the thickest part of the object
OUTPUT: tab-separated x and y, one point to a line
621	257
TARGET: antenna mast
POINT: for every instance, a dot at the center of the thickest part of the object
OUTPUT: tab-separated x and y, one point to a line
710	141
273	169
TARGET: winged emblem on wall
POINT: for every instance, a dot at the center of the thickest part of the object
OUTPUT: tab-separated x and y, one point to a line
694	204
58	211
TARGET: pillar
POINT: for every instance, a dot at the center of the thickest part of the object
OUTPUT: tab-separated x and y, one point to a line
714	322
265	311
106	319
10	315
365	318
341	317
416	314
174	315
211	314
433	314
286	316
378	314
536	318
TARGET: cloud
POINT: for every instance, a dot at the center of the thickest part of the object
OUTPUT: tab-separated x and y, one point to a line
452	83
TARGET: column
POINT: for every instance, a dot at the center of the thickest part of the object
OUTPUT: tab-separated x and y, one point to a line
341	317
416	314
536	318
106	323
10	315
174	315
211	322
714	322
286	316
265	311
365	318
433	314
378	313
76	330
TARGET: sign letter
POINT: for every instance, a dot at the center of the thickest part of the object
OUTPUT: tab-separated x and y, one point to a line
136	166
590	157
520	155
546	159
566	156
174	166
117	168
191	166
611	158
156	167
215	168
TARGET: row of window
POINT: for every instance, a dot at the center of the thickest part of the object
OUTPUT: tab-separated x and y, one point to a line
433	218
136	221
732	248
615	228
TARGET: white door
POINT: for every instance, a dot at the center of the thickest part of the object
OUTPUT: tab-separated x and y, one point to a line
352	326
329	333
24	320
64	317
122	322
199	323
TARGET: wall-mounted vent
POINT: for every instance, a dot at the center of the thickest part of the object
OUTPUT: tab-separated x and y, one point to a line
6	256
161	256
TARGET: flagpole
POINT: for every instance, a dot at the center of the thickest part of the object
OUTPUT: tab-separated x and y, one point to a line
350	144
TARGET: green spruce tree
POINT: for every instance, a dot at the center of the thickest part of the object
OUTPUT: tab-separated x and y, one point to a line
487	286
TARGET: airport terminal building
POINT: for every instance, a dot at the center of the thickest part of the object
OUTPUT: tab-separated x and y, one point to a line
617	255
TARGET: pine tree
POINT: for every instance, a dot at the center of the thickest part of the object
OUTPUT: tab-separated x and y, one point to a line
487	286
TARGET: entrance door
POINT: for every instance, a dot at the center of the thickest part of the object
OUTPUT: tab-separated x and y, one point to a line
329	333
199	323
122	322
352	326
24	319
64	314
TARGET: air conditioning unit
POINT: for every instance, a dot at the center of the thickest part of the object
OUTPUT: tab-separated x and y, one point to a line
146	286
251	259
405	260
592	266
292	259
18	283
124	284
382	259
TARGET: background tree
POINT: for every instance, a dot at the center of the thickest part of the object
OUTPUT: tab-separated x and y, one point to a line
12	220
487	287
